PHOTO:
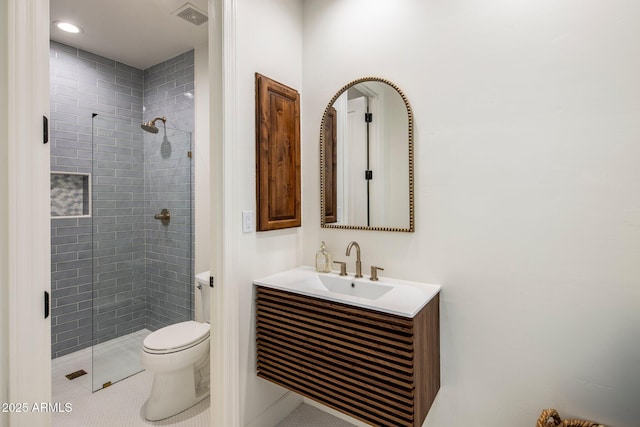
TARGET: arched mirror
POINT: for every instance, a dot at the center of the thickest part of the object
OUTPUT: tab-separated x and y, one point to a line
366	158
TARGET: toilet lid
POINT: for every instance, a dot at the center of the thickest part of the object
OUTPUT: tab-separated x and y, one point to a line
177	336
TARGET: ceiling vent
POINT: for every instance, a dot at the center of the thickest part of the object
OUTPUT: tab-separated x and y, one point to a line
190	13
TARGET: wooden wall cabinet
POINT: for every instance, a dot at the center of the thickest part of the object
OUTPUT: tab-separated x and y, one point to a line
380	368
278	203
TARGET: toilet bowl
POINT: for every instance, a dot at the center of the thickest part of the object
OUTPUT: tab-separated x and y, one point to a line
178	356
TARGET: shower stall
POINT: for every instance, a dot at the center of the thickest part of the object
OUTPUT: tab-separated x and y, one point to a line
121	210
142	239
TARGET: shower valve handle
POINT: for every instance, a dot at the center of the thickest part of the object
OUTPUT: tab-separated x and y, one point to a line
163	216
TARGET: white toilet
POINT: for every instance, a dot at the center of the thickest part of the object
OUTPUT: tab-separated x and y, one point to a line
178	356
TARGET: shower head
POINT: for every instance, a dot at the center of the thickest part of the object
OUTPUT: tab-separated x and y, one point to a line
150	126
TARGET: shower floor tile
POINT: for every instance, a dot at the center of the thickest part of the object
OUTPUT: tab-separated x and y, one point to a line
108	361
118	358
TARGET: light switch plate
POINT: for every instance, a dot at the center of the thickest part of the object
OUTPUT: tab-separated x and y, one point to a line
247	221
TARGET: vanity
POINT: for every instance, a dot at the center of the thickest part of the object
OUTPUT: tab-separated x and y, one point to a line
370	349
367	347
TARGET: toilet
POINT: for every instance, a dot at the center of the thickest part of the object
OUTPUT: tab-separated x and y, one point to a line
178	356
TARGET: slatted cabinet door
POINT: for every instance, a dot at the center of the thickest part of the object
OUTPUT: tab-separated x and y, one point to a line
380	368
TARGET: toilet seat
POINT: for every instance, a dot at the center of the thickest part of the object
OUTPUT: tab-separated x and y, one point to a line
176	337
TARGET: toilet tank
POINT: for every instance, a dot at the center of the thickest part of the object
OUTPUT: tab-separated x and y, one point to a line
202	297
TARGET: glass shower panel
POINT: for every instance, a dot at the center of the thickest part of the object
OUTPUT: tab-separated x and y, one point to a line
168	188
129	263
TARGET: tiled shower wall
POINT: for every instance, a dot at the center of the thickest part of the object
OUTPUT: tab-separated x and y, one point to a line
168	92
119	277
83	84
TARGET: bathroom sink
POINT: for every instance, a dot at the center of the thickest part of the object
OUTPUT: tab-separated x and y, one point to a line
394	296
347	286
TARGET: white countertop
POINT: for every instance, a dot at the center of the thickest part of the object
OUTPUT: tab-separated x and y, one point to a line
406	298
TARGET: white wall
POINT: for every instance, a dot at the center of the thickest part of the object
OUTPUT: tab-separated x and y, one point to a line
268	41
527	191
4	215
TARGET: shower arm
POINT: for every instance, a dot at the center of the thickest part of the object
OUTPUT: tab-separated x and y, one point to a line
153	122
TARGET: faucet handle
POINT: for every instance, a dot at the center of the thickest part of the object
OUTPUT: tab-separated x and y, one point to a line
374	272
343	267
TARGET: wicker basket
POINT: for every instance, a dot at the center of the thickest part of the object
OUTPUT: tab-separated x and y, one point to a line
550	418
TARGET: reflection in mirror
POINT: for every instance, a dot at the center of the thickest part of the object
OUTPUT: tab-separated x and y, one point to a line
366	157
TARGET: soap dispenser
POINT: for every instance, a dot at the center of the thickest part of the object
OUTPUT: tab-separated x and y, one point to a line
323	259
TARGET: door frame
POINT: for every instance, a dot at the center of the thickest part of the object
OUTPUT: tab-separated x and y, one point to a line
28	244
26	251
225	402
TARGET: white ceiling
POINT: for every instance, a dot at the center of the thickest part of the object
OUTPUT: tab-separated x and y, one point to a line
140	33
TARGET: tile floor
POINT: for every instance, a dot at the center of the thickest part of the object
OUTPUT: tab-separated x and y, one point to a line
308	416
121	404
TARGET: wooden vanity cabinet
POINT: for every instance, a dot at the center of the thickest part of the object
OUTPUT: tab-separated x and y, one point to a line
380	368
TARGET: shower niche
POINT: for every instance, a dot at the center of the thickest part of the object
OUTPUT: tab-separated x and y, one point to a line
70	195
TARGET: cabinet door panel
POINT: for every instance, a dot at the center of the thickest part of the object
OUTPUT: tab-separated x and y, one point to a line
277	155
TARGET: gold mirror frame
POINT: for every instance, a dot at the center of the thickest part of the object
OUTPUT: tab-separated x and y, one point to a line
323	223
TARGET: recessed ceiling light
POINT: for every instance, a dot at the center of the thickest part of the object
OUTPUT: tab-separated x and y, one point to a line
69	28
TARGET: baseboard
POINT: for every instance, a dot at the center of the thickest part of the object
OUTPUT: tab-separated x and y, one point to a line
335	413
277	412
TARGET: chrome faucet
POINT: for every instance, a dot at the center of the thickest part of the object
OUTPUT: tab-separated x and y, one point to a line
358	262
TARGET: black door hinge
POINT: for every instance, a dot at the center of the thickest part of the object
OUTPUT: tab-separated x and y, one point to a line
368	117
368	175
46	304
211	281
45	129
